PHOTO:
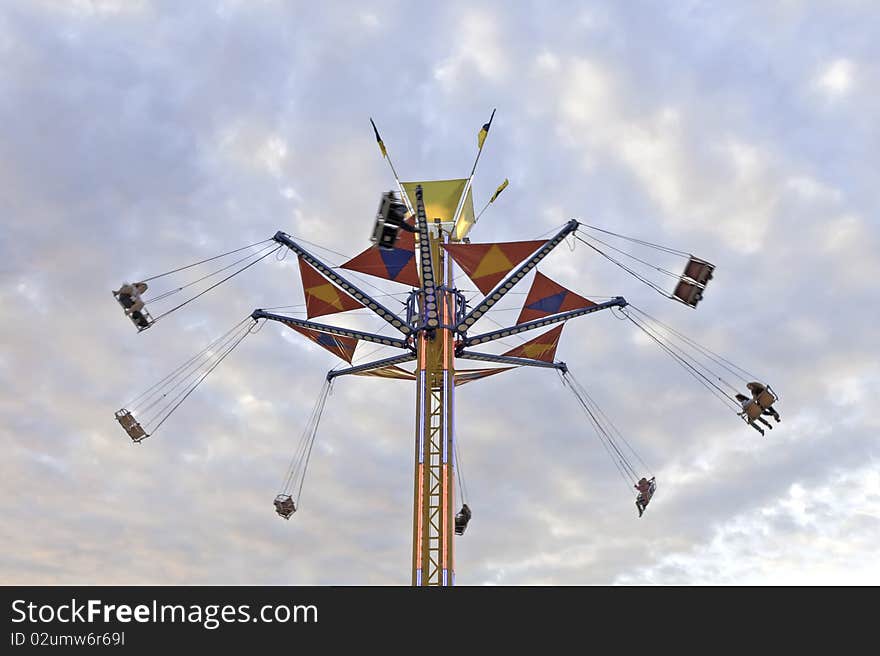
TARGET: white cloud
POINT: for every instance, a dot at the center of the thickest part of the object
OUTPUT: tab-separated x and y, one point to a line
836	78
812	535
153	140
477	50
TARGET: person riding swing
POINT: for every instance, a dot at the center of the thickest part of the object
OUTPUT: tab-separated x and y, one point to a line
646	491
751	412
764	397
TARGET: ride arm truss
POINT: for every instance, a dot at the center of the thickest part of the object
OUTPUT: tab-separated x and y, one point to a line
370	366
514	277
430	314
358	294
332	330
507	359
501	333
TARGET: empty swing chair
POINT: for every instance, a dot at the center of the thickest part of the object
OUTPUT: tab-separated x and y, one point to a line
688	292
692	283
130	424
284	505
390	220
698	270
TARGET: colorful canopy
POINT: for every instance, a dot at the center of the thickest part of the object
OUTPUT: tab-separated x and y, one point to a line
322	296
397	264
391	371
542	347
340	346
487	264
467	375
441	198
547	297
466	219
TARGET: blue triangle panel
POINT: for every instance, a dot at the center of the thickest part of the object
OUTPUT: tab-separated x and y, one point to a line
549	304
327	340
395	260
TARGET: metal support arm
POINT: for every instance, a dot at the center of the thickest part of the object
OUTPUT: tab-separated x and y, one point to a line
429	286
507	359
332	330
369	366
358	294
515	276
501	333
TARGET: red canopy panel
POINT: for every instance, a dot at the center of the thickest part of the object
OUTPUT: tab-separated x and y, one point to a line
397	264
342	347
547	297
487	264
391	371
467	375
542	347
322	296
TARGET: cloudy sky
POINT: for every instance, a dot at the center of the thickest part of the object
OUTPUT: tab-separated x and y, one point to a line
139	136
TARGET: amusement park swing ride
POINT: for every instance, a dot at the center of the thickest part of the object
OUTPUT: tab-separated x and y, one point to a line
422	228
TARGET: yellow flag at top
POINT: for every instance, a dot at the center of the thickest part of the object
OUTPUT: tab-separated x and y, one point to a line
498	191
379	140
484	132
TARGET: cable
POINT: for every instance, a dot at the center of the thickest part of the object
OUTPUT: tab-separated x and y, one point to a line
296	471
638	241
216	257
312	440
132	404
171	292
650	284
192	373
630	255
621	464
165	314
462	488
706	350
726	400
610	423
245	334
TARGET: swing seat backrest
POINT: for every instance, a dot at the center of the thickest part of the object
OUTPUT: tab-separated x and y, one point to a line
136	432
752	411
125	419
766	399
688	293
699	270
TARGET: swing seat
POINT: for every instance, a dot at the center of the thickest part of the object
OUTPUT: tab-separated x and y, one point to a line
645	497
767	398
752	411
125	300
389	220
698	270
131	425
688	293
462	519
141	319
284	505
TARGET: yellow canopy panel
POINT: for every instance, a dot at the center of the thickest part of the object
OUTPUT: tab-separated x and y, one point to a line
441	198
466	219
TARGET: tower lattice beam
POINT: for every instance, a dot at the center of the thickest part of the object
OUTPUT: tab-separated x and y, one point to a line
433	502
